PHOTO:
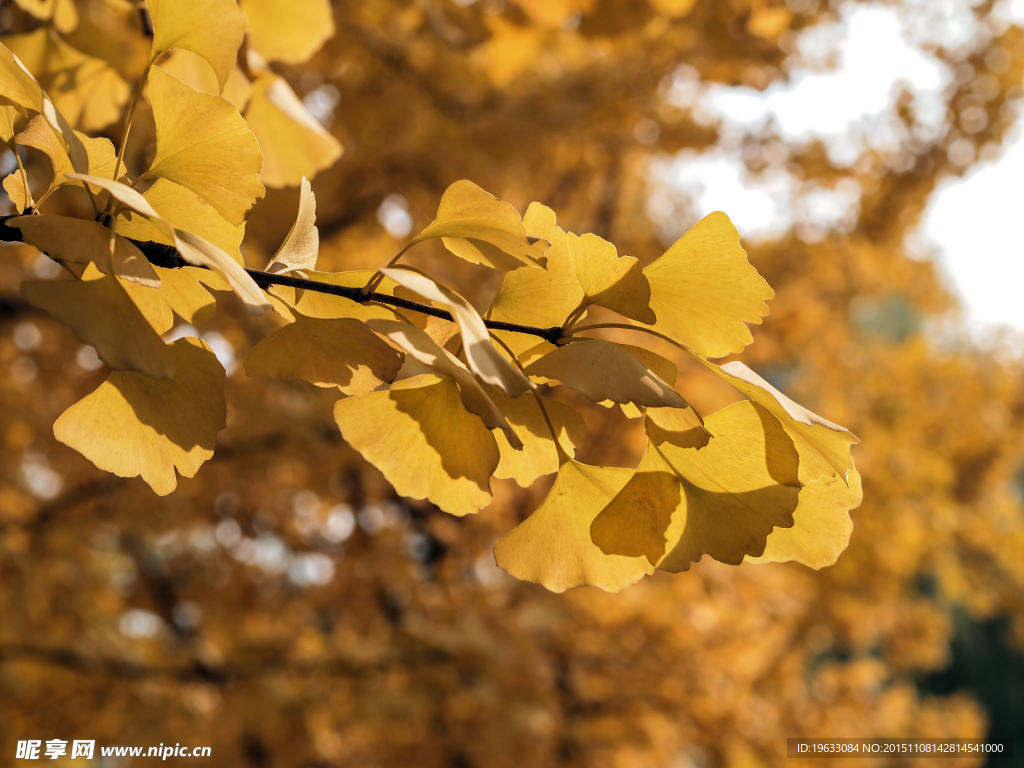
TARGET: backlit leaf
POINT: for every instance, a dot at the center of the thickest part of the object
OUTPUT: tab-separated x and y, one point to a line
17	85
211	28
100	312
424	441
821	524
299	249
425	350
602	370
134	425
202	143
484	360
609	280
288	32
17	190
328	353
552	547
185	294
703	289
722	500
682	427
293	142
197	251
482	229
100	152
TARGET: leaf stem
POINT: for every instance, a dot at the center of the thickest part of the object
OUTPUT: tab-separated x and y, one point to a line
558	448
377	278
639	328
128	122
24	178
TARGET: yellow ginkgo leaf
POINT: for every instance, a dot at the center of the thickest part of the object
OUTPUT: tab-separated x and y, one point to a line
184	293
211	28
722	500
17	189
293	142
425	350
824	447
821	525
552	547
134	425
288	32
539	297
151	304
17	85
11	121
602	370
682	427
192	69
484	360
539	456
609	280
86	90
424	441
703	289
62	13
482	229
83	241
202	143
100	312
184	209
299	250
328	353
99	152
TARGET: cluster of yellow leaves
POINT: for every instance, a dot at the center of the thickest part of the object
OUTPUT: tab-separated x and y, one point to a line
439	407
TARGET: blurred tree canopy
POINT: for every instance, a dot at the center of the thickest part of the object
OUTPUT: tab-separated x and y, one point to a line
287	608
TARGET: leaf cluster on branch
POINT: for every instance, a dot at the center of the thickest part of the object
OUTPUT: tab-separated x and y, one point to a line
439	398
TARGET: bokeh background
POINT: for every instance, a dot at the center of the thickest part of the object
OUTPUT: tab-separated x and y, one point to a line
287	609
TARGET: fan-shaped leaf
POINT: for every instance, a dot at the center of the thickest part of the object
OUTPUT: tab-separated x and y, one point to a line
100	312
602	370
288	32
293	142
17	189
482	229
183	292
211	28
203	144
328	353
484	360
609	280
681	427
703	289
134	425
424	441
552	547
17	85
299	250
99	152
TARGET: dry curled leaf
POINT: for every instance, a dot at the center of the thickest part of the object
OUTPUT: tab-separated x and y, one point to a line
299	249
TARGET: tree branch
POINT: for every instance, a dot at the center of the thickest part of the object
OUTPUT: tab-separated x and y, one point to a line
167	257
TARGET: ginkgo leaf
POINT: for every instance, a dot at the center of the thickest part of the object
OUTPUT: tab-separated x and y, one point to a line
99	152
17	189
86	90
184	293
10	121
101	313
134	425
202	143
425	350
609	280
722	500
184	209
17	85
703	289
602	370
424	441
482	229
300	248
539	456
484	360
824	447
211	28
62	13
288	32
197	251
293	142
539	297
151	304
328	353
193	70
682	427
552	547
82	241
821	524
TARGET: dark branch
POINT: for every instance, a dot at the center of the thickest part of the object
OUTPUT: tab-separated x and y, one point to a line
167	256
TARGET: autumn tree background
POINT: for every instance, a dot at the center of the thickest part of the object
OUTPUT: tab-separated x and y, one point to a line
287	608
